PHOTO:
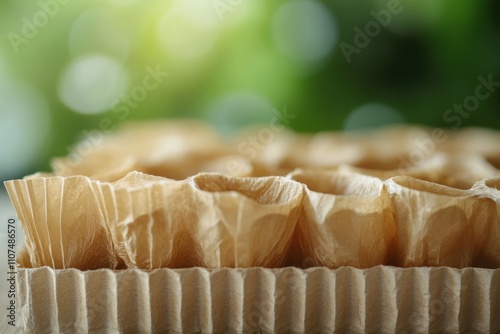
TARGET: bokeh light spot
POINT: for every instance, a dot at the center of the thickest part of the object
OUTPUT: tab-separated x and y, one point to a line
24	128
188	30
91	84
304	30
372	116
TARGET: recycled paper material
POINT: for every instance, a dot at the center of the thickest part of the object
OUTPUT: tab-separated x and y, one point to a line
257	300
329	218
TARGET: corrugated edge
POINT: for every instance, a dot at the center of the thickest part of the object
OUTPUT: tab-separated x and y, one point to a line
289	300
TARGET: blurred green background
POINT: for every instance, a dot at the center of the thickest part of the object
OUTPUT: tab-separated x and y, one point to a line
67	67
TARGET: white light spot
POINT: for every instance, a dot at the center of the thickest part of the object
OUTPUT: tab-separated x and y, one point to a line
188	30
232	112
99	30
91	84
24	128
371	116
304	30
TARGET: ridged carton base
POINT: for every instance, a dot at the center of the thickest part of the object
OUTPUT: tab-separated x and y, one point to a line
257	300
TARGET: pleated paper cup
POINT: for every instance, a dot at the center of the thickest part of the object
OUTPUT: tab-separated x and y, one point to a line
253	219
439	225
63	223
386	149
346	220
392	148
233	165
327	150
456	170
104	165
109	229
275	149
148	219
209	220
473	140
175	149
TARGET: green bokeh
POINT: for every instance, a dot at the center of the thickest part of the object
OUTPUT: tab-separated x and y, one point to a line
427	58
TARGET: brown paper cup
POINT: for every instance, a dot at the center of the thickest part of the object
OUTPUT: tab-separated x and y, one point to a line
346	221
209	220
63	223
439	225
252	220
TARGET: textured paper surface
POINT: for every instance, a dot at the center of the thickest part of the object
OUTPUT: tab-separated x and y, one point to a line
179	149
438	225
209	220
62	222
347	220
399	196
173	149
258	300
329	218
